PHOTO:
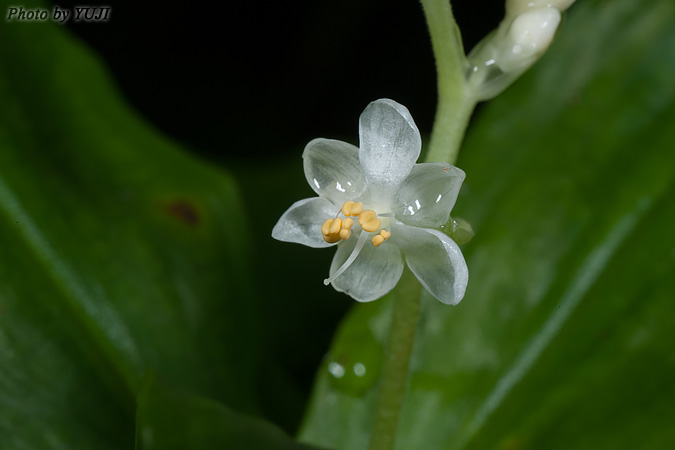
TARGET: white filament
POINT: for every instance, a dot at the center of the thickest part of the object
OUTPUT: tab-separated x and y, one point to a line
363	238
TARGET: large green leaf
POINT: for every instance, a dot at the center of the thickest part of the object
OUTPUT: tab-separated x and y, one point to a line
119	254
564	339
168	419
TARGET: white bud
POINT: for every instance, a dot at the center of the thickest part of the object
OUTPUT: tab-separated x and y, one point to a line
516	7
507	53
528	37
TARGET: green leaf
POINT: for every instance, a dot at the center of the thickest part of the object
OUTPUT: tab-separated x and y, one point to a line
168	419
119	254
564	339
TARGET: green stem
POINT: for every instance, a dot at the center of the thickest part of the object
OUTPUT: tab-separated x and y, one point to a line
455	101
455	105
394	379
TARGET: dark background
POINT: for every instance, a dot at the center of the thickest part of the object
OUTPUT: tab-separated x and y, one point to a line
250	83
246	79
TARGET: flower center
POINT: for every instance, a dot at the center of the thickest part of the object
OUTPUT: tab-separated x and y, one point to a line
337	229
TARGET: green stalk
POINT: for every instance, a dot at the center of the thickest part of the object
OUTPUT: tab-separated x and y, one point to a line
394	379
455	100
455	105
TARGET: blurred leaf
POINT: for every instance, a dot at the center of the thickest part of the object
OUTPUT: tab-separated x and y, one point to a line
118	254
172	420
564	339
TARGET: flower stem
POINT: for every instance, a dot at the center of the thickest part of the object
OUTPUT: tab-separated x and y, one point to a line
455	99
455	105
394	378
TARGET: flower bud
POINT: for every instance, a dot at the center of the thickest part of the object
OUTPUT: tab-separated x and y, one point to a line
506	53
517	7
528	38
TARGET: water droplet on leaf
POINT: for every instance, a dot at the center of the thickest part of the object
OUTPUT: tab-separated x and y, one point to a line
355	362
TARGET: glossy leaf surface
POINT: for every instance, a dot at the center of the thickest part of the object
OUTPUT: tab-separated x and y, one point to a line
564	339
119	254
168	419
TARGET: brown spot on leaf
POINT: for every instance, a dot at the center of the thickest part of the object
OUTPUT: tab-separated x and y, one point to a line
184	211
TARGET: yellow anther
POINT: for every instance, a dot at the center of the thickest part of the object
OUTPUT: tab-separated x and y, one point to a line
345	233
331	238
331	230
377	240
347	208
352	209
369	221
385	234
325	228
347	223
336	226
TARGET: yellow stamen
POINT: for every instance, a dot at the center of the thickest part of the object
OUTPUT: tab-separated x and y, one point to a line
326	226
331	230
337	229
369	221
331	238
347	208
336	226
351	208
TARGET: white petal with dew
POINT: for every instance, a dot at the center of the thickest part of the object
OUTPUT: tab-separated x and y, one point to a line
428	194
390	145
333	169
436	261
373	273
301	223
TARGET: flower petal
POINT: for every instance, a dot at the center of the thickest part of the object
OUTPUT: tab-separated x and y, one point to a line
333	170
372	275
436	261
301	223
390	145
428	194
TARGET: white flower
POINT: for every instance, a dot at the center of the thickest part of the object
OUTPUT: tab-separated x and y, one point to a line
380	208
